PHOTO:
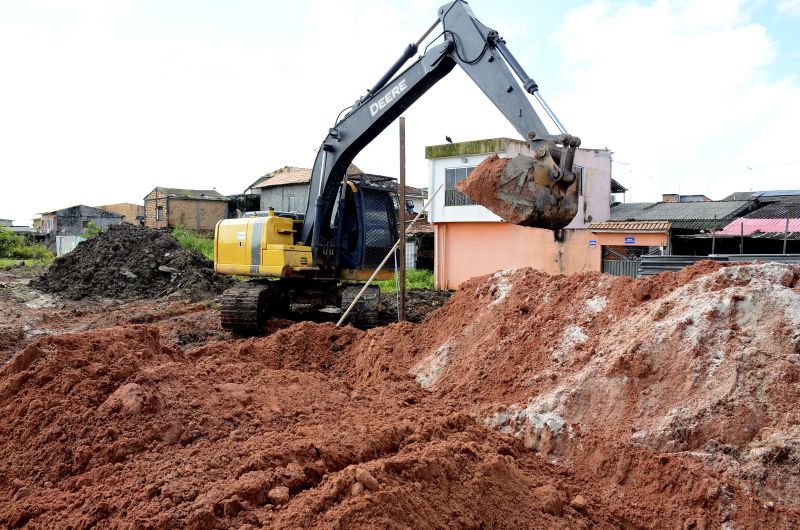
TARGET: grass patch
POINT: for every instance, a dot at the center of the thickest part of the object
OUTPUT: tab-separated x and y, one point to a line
4	262
204	244
415	279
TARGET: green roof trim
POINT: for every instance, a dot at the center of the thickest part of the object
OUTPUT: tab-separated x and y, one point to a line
475	147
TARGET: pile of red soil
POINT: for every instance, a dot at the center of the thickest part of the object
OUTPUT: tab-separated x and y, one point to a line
128	261
526	401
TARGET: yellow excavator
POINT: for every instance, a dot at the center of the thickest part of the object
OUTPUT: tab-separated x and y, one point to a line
302	263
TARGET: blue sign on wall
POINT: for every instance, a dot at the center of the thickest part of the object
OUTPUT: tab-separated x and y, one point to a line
592	242
630	240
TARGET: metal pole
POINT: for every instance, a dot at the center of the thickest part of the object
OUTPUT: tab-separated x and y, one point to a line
401	271
741	238
786	232
386	258
713	236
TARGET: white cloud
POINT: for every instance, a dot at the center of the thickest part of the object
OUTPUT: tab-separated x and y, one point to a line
790	7
681	92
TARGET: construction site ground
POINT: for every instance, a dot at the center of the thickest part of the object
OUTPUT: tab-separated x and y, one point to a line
526	401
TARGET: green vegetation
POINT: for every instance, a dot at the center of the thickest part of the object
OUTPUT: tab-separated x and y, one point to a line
204	244
415	279
91	230
15	247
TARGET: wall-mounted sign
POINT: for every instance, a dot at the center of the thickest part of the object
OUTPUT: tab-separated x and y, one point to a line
592	242
630	240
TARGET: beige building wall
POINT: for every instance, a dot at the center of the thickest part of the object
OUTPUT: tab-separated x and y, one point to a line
152	202
465	250
127	210
195	214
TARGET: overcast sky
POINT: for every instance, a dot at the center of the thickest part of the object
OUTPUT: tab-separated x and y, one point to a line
103	100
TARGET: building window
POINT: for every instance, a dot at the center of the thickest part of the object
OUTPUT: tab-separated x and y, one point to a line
452	176
292	203
159	213
579	172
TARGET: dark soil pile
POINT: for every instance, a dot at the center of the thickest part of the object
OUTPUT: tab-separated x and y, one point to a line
526	401
419	303
128	261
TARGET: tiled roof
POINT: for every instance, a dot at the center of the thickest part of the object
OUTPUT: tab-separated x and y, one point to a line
285	175
632	226
686	215
203	195
293	175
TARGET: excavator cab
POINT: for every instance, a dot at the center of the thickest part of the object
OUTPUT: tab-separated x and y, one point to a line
366	225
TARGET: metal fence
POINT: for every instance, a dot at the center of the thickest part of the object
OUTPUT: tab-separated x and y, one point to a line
651	265
65	244
411	254
621	267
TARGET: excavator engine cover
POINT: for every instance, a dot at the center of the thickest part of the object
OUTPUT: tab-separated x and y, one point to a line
524	191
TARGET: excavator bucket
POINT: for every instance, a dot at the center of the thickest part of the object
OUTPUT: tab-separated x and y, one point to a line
524	191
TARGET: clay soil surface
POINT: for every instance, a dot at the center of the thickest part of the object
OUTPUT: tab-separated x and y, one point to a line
526	401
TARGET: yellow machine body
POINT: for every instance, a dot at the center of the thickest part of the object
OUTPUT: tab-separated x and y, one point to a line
265	247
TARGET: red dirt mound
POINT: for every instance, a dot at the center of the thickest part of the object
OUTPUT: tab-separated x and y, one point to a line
527	401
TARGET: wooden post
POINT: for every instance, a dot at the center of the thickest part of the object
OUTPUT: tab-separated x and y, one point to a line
401	258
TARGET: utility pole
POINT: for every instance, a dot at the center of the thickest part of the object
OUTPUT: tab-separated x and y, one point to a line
786	232
401	257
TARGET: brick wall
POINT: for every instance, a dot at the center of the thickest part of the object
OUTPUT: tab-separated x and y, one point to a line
197	215
128	210
152	202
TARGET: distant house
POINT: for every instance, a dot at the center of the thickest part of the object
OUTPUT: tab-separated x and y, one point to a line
415	198
131	213
286	189
72	221
6	222
677	197
195	209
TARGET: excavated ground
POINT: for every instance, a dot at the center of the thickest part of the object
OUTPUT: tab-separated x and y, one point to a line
526	401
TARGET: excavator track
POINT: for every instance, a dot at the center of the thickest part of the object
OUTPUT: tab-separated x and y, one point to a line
243	308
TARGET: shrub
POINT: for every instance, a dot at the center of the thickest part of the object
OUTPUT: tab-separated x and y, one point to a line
415	279
91	230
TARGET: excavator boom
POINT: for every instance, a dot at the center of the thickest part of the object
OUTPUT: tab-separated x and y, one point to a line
544	187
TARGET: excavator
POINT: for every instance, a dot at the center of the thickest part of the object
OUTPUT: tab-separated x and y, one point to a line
307	265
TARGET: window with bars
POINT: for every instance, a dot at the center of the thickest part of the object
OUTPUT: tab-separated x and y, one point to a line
292	203
452	176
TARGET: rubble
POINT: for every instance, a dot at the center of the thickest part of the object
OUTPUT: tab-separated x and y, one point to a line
676	406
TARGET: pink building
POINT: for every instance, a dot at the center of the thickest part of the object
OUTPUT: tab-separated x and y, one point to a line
471	241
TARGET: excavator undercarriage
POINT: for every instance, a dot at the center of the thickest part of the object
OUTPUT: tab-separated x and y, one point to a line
245	308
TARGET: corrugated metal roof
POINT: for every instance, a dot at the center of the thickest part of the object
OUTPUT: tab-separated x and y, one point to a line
686	215
777	210
768	194
751	226
202	195
632	226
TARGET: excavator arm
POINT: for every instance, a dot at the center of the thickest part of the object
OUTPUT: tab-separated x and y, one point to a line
483	55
